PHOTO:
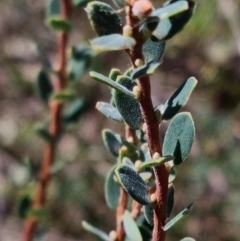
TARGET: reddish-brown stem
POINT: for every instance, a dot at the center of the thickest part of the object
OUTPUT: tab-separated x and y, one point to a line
54	129
152	133
122	206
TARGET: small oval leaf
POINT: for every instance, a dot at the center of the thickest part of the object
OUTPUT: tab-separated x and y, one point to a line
170	200
128	107
131	228
59	24
114	74
103	18
109	111
179	217
23	206
179	137
156	162
95	231
133	184
112	189
112	42
148	213
178	99
111	142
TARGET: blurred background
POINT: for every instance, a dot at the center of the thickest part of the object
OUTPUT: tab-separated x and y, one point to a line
208	48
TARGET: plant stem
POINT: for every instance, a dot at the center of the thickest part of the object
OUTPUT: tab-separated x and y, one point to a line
152	132
54	129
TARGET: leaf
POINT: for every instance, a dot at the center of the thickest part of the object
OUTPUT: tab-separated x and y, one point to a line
111	142
23	205
40	212
79	3
59	24
170	200
111	189
153	51
145	233
53	8
133	184
172	174
114	74
131	228
42	130
112	42
127	106
148	213
128	72
145	176
74	111
103	18
95	231
169	27
43	86
65	95
43	58
178	218
156	162
109	111
178	99
130	151
80	61
144	70
58	166
105	80
179	137
187	239
119	3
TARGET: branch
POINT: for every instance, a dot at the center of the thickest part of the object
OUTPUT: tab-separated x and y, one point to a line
54	129
152	132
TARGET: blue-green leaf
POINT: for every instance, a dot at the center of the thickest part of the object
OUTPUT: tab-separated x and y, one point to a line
44	86
156	162
111	142
53	8
103	18
179	217
128	107
146	69
111	189
118	86
133	184
109	111
112	42
95	231
179	137
178	99
153	51
188	239
79	3
42	56
170	200
131	228
148	213
23	206
74	111
80	61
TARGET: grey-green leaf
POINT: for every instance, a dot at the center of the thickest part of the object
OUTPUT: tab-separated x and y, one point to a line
112	42
74	111
119	3
131	228
156	162
103	18
95	231
80	61
179	137
79	3
153	51
44	86
133	184
179	217
148	213
109	111
111	142
170	200
118	86
42	56
23	206
146	69
53	8
111	189
178	99
128	107
59	24
188	239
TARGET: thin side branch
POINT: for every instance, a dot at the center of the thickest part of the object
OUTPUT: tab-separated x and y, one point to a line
54	129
